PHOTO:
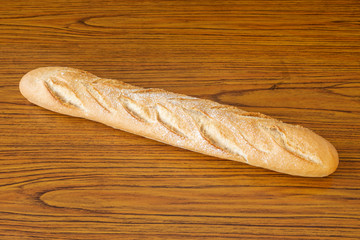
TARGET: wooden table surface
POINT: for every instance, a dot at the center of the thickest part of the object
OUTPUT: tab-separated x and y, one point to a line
69	178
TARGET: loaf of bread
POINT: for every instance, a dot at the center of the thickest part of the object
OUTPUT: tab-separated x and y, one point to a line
191	123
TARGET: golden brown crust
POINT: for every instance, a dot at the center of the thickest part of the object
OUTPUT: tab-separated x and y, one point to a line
199	125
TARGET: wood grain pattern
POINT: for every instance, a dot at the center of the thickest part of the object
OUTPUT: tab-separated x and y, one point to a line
68	178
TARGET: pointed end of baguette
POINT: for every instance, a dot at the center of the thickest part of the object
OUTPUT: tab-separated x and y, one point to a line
318	156
30	83
329	160
333	161
42	87
27	83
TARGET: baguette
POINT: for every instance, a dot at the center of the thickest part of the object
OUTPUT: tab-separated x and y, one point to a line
187	122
